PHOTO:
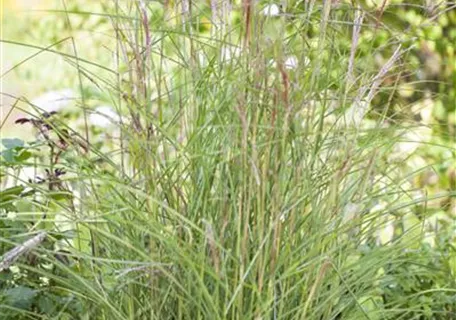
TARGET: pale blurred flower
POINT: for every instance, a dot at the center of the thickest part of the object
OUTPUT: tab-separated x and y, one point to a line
104	116
306	61
202	59
355	114
44	281
385	234
379	207
10	179
424	108
416	161
63	222
271	10
382	185
429	238
14	269
351	211
291	62
54	100
411	140
229	52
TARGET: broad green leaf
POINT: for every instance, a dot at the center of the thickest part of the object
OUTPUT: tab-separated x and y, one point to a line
20	297
12	143
8	156
23	155
13	191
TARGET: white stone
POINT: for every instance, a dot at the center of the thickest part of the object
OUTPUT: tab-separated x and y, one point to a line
54	100
104	116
